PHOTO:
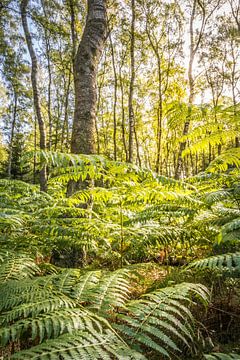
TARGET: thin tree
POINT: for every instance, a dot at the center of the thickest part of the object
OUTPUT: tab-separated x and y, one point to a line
34	81
131	86
198	7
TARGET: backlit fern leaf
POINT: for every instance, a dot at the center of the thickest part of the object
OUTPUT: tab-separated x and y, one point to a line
230	157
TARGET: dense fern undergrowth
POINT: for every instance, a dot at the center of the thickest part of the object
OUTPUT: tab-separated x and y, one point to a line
130	266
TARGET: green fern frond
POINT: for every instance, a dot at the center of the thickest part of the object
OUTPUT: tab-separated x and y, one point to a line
161	319
229	263
217	138
83	345
230	157
66	281
51	325
217	195
231	226
221	356
17	293
112	291
49	302
17	268
86	282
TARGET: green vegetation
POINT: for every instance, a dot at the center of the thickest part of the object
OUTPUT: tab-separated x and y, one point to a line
116	299
119	179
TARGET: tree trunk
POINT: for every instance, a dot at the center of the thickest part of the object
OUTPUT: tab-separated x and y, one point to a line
123	116
34	73
49	98
131	87
12	136
114	101
85	75
65	129
159	115
193	50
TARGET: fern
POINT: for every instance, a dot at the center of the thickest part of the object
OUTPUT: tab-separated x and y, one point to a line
162	318
112	291
81	345
229	263
38	305
87	282
17	268
51	325
229	158
221	356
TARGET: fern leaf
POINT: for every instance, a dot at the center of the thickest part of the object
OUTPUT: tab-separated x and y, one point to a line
86	282
229	263
161	317
17	268
111	291
51	325
83	345
50	303
221	356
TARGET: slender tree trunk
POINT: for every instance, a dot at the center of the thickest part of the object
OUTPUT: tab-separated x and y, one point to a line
137	148
191	93
85	83
123	118
12	135
50	124
85	74
233	88
159	116
49	98
35	149
65	129
73	31
114	101
131	87
34	73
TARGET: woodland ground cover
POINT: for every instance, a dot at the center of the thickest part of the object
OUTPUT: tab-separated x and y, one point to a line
133	266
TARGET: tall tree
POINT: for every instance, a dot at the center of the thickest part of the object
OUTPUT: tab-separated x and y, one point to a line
131	86
34	80
85	75
200	12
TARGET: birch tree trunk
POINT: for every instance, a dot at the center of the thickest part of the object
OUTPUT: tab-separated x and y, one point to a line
85	76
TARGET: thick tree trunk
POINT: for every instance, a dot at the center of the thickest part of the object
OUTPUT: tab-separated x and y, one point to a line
85	75
34	73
